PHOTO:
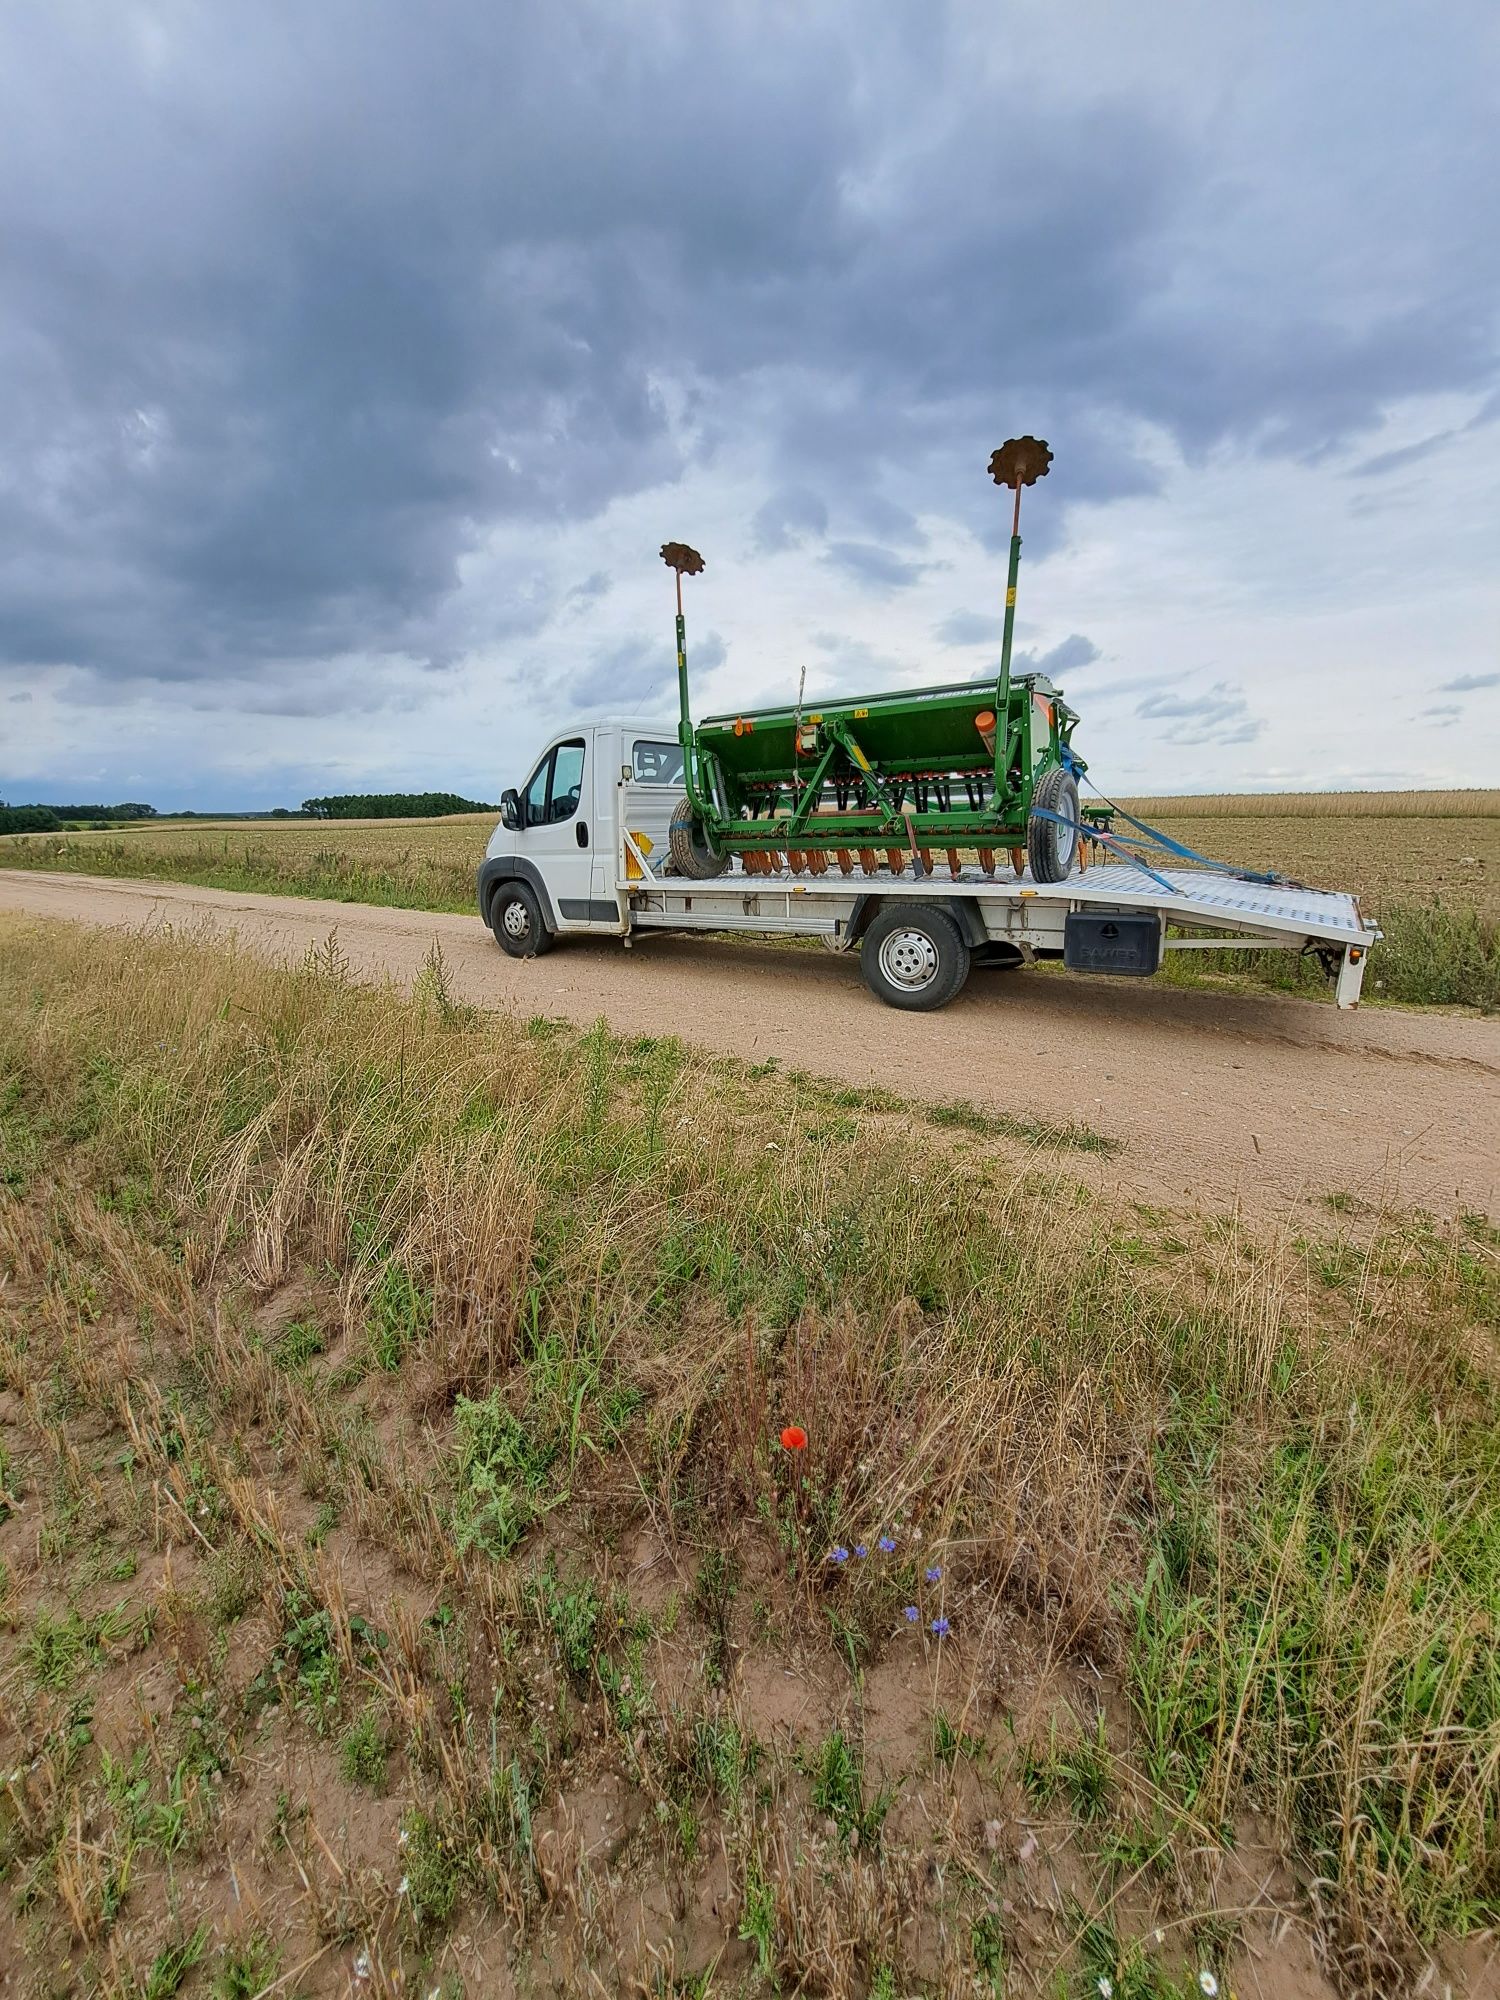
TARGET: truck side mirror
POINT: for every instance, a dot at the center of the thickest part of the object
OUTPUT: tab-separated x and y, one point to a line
510	810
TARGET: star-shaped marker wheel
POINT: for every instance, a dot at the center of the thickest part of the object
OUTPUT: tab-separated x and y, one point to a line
678	556
1020	462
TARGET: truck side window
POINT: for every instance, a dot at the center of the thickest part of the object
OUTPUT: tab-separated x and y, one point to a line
567	781
656	763
534	798
556	786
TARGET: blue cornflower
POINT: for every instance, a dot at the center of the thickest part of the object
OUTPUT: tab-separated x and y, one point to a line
935	1574
940	1628
911	1614
839	1556
860	1550
886	1544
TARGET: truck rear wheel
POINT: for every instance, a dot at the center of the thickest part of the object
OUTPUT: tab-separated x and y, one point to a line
517	921
691	854
1051	849
914	957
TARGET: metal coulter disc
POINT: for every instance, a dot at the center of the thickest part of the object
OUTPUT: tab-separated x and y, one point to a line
678	556
1020	462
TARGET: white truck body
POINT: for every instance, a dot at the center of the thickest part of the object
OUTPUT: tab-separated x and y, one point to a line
590	845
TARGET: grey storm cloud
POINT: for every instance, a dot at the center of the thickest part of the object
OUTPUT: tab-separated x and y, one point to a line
970	628
300	305
880	570
1069	655
1468	683
1221	715
1401	457
589	591
787	519
978	628
641	672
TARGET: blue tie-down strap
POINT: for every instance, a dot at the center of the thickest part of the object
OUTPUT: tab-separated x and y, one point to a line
1268	876
1109	842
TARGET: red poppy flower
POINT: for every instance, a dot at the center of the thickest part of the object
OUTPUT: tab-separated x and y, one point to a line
794	1438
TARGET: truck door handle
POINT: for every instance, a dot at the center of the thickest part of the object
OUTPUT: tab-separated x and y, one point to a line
582	835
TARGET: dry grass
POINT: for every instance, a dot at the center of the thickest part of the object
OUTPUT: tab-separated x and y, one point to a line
404	864
390	1415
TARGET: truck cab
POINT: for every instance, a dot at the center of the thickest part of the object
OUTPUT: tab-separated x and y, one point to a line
552	863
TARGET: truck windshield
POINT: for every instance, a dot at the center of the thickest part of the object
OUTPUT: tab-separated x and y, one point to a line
657	763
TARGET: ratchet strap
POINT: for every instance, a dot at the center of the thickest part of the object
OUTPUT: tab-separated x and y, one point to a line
1268	878
1111	843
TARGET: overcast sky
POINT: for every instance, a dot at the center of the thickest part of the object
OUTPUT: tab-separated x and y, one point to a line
356	358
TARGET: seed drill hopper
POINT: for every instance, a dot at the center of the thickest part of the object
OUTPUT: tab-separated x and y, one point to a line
971	769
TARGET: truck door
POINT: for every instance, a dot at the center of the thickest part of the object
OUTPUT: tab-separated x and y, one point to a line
557	826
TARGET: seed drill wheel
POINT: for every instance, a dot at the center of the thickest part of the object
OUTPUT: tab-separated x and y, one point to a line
1052	849
691	854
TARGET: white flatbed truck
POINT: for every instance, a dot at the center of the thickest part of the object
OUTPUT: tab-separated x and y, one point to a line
583	850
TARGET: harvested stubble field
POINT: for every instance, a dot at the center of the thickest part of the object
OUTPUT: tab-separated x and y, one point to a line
1426	863
406	1587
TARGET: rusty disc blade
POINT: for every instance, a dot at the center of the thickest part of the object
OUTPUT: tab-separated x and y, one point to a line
678	556
1020	462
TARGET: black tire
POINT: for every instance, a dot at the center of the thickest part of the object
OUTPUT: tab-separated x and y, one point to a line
517	921
914	957
1051	849
691	854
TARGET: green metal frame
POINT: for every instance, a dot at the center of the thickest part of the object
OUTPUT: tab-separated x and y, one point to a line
888	769
904	767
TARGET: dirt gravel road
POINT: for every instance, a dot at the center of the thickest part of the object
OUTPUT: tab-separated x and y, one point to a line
1213	1096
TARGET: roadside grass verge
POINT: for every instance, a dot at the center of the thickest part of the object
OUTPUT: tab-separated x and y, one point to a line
394	1507
1437	953
1431	955
395	868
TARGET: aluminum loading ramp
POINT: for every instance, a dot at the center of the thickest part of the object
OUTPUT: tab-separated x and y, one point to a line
1204	896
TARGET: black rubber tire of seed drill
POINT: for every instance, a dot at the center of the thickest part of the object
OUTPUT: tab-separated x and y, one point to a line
691	854
1056	791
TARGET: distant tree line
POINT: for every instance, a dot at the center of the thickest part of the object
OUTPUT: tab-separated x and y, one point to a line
393	805
352	805
29	819
52	819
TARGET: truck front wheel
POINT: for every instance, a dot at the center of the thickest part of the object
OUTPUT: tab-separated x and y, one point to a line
914	956
517	921
691	854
